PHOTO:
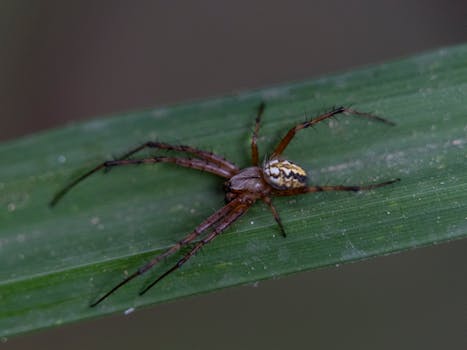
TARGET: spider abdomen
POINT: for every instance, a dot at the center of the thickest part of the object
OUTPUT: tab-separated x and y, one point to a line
283	174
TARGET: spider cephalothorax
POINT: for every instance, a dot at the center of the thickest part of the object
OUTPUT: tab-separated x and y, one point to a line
243	187
249	183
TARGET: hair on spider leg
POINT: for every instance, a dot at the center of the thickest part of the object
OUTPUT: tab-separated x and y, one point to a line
243	187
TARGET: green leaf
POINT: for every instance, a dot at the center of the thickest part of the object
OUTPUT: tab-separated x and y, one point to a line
55	261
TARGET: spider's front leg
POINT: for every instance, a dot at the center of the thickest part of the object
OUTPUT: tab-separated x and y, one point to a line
193	163
291	133
223	224
207	156
224	217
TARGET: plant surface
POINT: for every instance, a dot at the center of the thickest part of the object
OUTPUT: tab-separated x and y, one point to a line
55	262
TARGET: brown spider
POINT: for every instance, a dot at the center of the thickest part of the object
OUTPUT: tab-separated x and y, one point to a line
243	187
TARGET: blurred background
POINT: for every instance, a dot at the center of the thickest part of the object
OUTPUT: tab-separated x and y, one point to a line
63	61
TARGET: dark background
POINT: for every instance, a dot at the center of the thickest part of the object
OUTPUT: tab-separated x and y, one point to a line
63	61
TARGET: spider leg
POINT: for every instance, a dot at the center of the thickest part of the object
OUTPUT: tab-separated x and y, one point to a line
218	215
268	201
291	133
237	211
208	156
254	146
303	190
193	163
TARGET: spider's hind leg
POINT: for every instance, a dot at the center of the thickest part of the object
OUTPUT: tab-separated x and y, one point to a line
310	189
339	110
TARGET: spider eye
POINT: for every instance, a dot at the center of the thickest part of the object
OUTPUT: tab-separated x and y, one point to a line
283	174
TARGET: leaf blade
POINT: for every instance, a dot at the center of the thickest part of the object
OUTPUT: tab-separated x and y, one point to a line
55	262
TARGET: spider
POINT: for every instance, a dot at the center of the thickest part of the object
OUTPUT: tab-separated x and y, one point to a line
276	176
